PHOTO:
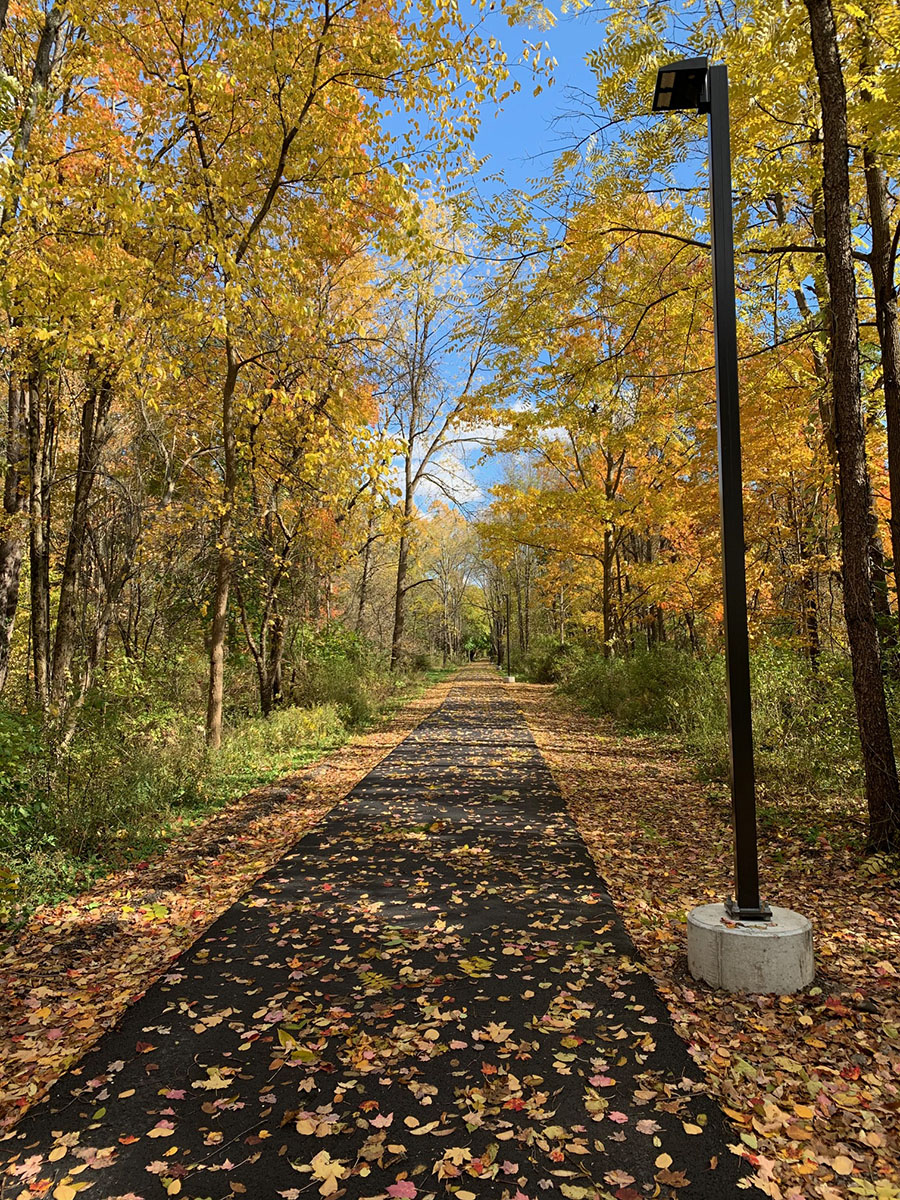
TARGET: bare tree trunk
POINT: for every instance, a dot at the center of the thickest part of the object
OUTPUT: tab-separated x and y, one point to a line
402	569
882	790
276	658
40	78
13	503
660	625
39	453
400	602
19	437
364	580
93	421
224	564
519	613
886	317
607	592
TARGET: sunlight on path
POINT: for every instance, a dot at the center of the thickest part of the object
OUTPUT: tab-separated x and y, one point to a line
430	994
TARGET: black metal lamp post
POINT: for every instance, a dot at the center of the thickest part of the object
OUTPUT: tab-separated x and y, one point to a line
694	86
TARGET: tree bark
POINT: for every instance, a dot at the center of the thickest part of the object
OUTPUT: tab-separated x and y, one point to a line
40	438
224	565
403	556
607	592
40	78
364	580
400	602
888	322
882	790
94	413
13	504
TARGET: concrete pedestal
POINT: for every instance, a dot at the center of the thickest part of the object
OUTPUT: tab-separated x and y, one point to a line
752	956
510	679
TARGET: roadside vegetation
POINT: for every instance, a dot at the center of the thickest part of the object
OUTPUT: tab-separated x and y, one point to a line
806	742
136	770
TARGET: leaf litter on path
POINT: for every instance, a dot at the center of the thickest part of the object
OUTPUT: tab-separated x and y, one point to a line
390	1014
811	1083
76	966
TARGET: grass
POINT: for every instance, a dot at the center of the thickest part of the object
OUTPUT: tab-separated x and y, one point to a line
117	796
804	722
807	753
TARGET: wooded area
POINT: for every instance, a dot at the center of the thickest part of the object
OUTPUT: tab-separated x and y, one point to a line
259	324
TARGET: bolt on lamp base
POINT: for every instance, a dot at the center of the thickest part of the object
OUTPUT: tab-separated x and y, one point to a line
734	910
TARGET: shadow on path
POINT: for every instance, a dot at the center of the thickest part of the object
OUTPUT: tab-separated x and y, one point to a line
431	993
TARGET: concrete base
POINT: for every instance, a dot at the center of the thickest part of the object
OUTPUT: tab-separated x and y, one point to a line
752	956
510	679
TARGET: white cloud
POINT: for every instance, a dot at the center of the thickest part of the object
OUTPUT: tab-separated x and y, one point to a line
450	479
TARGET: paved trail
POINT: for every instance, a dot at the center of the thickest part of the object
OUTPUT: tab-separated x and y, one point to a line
432	993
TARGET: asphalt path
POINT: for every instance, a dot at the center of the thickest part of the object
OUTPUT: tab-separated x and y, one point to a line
430	994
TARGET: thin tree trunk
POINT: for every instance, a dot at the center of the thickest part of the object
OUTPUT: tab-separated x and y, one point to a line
402	567
364	580
276	658
39	437
40	78
224	565
13	503
661	635
400	602
882	790
607	592
93	420
888	323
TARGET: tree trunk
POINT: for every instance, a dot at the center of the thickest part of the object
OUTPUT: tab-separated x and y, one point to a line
607	592
882	790
400	602
13	503
402	567
224	565
364	580
276	657
93	420
40	78
39	454
888	322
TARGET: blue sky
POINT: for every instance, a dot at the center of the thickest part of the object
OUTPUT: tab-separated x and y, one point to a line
520	143
523	138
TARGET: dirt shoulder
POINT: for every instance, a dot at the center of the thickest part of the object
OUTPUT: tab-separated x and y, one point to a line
76	966
812	1082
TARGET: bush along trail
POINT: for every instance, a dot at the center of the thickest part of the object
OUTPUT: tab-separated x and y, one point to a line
75	966
811	1082
431	993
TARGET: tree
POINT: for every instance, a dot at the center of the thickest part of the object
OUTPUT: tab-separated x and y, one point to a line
882	788
435	350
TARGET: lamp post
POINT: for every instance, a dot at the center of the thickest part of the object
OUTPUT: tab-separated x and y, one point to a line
741	945
694	86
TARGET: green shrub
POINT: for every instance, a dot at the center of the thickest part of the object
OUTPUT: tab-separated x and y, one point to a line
804	723
421	662
339	667
277	743
551	662
76	804
639	691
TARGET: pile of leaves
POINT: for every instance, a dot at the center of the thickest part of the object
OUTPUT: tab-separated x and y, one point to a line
76	966
811	1082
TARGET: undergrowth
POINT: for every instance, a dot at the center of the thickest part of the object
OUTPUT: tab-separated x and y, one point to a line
804	725
137	771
